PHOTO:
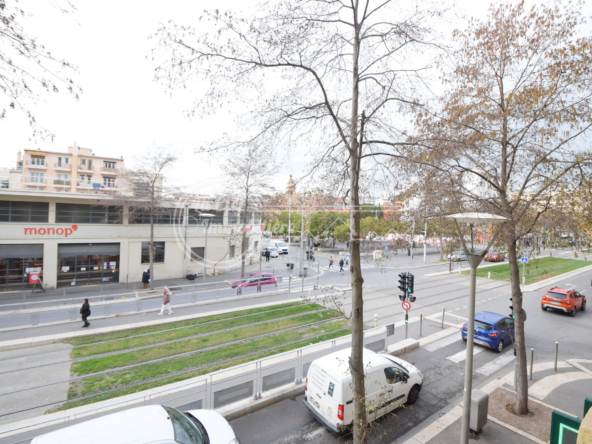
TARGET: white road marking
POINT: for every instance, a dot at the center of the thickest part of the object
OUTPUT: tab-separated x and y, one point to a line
542	388
443	342
462	355
493	366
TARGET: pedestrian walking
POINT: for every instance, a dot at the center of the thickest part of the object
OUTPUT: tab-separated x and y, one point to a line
145	279
166	302
341	263
267	255
85	313
330	262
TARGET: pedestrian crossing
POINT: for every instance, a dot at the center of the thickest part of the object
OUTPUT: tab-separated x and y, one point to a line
335	267
490	362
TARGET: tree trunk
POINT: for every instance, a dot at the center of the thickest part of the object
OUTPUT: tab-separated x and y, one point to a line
521	376
151	251
356	362
244	241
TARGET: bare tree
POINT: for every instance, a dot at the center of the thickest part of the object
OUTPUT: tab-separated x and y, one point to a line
326	73
27	68
508	129
249	173
143	195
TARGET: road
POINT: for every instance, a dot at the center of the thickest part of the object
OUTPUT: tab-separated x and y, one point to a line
442	363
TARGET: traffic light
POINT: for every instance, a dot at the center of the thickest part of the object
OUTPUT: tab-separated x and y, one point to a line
412	298
410	280
511	310
403	282
402	297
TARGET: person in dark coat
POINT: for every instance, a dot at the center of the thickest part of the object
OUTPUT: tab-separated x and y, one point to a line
267	255
341	263
85	313
145	279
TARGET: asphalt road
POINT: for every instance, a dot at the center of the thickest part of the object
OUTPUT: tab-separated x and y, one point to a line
442	363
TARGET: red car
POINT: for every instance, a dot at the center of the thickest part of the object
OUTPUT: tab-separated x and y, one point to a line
494	257
256	280
564	299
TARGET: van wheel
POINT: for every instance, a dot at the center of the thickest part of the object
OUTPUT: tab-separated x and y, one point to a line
413	395
583	307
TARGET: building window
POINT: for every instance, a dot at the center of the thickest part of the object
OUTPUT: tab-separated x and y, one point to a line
197	253
232	217
85	180
38	161
160	216
4	183
67	160
232	251
37	177
87	214
157	252
86	163
108	164
24	211
109	182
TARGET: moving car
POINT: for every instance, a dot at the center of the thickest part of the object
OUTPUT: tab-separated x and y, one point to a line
457	256
148	424
282	247
494	257
492	330
254	281
390	382
564	299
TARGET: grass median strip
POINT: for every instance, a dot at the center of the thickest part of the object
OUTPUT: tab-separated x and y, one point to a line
158	337
536	269
198	372
124	377
156	328
94	365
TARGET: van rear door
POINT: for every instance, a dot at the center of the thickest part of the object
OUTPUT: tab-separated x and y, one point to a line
324	392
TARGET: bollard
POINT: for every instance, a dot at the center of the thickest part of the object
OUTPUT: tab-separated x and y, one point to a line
531	361
489	275
375	320
443	314
420	324
556	353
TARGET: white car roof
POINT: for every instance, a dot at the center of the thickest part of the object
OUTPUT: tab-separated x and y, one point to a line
338	362
148	424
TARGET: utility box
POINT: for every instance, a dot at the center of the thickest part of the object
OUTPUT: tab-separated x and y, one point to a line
479	409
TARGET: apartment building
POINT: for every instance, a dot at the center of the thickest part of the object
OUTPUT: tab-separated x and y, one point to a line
55	229
79	170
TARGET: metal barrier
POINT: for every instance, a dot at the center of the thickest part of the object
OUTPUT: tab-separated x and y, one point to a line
229	385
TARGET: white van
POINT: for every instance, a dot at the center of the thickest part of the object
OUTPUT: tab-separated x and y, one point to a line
282	247
148	424
328	393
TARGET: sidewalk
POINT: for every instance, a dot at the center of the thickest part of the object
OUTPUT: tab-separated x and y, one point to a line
275	265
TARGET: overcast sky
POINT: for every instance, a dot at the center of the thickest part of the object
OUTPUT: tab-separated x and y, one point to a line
122	111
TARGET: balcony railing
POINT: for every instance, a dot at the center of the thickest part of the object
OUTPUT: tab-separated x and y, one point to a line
36	181
63	166
65	183
42	165
105	170
86	168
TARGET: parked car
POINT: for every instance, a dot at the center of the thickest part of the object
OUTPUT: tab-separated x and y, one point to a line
494	257
457	256
492	330
254	281
148	424
564	299
390	382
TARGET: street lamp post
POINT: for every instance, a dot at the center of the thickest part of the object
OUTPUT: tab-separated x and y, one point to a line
206	220
474	257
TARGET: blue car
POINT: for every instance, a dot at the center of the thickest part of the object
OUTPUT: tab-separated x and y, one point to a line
492	330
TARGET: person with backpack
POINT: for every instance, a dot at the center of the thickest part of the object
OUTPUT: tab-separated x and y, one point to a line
85	313
166	302
341	263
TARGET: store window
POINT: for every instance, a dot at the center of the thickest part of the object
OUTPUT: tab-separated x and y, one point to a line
197	253
20	266
157	252
88	264
24	211
87	214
